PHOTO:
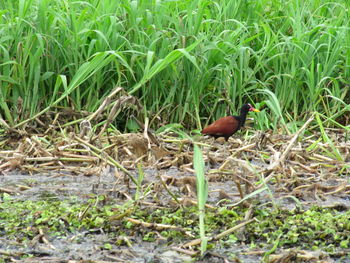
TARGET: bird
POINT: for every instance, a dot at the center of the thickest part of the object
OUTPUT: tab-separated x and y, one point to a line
227	126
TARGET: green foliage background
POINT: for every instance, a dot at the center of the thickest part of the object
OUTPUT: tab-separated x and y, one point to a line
186	60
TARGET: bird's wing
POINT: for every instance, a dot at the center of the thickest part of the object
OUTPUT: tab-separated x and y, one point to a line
224	125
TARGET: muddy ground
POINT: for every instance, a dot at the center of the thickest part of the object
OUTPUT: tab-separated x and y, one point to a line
306	174
86	245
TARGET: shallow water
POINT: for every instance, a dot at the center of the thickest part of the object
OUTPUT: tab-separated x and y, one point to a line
89	245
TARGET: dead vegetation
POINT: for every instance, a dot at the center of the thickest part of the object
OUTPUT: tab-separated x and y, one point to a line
298	164
295	169
303	167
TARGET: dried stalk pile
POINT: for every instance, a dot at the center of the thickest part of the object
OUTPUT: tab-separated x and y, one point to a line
297	165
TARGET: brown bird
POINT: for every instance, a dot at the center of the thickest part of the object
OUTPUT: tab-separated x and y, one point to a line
227	126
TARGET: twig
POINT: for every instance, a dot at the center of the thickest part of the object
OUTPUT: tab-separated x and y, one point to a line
245	147
44	239
11	254
108	159
185	251
82	215
168	190
150	132
7	190
158	226
68	159
289	147
232	229
221	235
105	103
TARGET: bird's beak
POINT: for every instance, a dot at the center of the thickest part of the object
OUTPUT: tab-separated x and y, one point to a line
255	110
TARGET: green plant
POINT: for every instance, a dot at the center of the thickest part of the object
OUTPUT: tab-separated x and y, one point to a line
187	61
202	193
335	152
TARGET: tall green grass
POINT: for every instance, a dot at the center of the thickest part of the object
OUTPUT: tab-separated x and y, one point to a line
186	60
202	193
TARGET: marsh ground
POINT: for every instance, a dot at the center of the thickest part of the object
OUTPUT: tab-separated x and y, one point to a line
60	209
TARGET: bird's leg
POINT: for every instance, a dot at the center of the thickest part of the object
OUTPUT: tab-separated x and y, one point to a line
208	156
227	152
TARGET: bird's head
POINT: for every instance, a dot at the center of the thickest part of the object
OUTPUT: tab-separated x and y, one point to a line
250	107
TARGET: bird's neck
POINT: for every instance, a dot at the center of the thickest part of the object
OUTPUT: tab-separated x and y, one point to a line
242	118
